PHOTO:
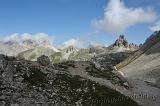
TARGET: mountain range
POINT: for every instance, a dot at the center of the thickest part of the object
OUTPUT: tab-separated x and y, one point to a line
31	50
123	73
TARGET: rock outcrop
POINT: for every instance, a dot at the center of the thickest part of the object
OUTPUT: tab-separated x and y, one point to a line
121	44
121	41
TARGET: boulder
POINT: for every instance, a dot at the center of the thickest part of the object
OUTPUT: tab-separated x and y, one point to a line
43	60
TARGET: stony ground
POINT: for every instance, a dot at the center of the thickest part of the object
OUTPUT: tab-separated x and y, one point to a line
25	82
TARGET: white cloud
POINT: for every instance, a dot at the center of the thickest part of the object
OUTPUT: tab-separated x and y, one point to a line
26	36
39	38
156	27
13	37
43	37
118	17
73	42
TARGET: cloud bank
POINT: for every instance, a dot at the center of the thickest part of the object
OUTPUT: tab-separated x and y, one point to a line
74	42
118	17
39	38
156	27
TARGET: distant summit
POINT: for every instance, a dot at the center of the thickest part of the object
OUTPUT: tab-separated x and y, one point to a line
29	43
14	47
121	44
121	41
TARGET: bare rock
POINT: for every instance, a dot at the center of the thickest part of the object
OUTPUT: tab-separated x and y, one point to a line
43	60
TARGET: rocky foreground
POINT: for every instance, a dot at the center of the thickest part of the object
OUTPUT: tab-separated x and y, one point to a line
28	83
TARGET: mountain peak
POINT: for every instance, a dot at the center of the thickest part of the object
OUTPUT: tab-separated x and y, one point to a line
121	41
122	44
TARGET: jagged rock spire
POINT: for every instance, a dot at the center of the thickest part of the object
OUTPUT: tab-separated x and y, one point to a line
121	41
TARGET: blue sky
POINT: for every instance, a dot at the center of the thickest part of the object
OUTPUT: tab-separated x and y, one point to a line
71	19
